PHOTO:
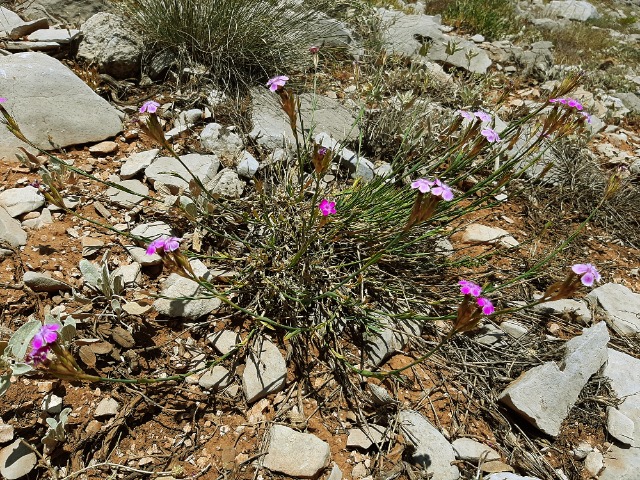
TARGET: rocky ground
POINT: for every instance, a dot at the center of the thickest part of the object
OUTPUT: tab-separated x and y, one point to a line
545	393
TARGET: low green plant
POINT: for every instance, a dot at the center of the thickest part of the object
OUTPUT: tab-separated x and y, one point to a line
237	41
328	264
494	21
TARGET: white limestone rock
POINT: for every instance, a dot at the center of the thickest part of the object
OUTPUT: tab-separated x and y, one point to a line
544	394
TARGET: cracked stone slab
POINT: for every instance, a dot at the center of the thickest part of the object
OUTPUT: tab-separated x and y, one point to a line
544	394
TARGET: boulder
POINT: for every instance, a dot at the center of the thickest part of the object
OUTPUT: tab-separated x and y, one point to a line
109	43
52	106
573	10
421	36
544	394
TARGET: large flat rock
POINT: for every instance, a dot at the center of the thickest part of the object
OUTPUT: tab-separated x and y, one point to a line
52	106
299	455
622	462
544	394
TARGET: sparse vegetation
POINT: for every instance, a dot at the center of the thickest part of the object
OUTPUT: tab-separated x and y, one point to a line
476	16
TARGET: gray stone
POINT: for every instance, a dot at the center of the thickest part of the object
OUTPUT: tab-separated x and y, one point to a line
248	165
576	309
58	35
17	201
490	335
477	233
620	426
8	20
25	28
151	231
474	451
544	394
224	341
265	371
16	460
5	253
573	10
52	403
594	462
10	230
271	126
126	199
139	255
130	273
582	450
220	140
620	305
40	221
513	328
108	407
366	436
421	36
216	378
623	462
432	450
6	432
110	43
52	106
185	299
226	183
382	344
359	166
336	473
74	12
137	162
296	454
20	47
165	169
630	100
42	282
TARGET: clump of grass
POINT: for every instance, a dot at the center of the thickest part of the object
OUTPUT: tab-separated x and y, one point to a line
476	16
238	41
580	44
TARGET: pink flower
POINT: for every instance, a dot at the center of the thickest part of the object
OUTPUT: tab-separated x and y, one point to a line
574	104
486	305
45	336
277	82
588	273
39	355
149	107
322	151
327	207
2	99
483	116
313	50
490	134
469	288
166	244
423	185
466	115
441	189
587	116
